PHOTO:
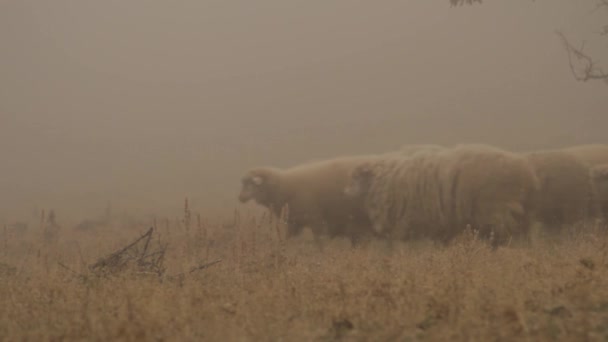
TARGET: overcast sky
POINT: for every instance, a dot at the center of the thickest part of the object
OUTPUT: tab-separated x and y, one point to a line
143	103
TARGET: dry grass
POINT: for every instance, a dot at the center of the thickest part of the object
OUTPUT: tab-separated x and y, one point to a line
268	289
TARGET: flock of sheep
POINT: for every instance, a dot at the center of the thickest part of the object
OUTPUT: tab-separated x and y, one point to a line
436	192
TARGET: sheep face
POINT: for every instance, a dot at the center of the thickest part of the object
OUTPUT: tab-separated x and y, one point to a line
249	189
257	185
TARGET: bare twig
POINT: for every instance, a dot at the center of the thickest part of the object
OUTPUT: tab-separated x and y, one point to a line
147	242
180	276
76	274
112	257
5	240
583	67
140	258
203	266
587	67
464	2
82	262
67	268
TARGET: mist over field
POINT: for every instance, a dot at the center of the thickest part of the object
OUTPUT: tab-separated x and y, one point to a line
142	104
126	129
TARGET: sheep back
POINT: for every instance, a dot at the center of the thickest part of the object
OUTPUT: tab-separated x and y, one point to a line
592	154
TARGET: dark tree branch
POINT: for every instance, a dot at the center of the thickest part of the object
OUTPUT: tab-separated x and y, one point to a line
583	67
465	2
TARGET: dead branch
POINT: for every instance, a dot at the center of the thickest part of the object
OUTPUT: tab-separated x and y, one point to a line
202	267
463	2
67	268
76	274
180	276
112	257
583	67
587	68
138	257
142	260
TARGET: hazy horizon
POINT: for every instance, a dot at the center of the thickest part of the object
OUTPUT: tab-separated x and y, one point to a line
144	104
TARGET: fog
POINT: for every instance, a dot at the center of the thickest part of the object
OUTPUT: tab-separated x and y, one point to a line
144	103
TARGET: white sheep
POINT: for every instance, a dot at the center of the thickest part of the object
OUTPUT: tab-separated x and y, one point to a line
592	154
437	193
566	193
600	180
313	193
410	150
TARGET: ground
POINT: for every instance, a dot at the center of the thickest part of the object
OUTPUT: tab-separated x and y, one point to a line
263	288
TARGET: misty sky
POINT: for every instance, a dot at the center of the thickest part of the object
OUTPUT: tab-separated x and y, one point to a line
143	103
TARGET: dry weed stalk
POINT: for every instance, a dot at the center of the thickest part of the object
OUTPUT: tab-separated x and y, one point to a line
202	230
167	229
204	242
280	227
42	218
256	226
5	240
187	216
180	276
51	227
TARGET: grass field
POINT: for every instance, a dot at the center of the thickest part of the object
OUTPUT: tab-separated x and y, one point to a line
262	288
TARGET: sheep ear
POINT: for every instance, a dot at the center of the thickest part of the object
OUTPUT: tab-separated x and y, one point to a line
257	180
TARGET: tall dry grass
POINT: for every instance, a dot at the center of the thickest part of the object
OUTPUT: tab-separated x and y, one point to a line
268	289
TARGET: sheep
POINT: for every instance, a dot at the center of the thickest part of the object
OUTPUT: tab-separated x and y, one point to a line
437	193
313	193
566	193
592	154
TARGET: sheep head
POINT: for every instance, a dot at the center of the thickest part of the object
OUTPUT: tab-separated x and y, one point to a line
260	185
